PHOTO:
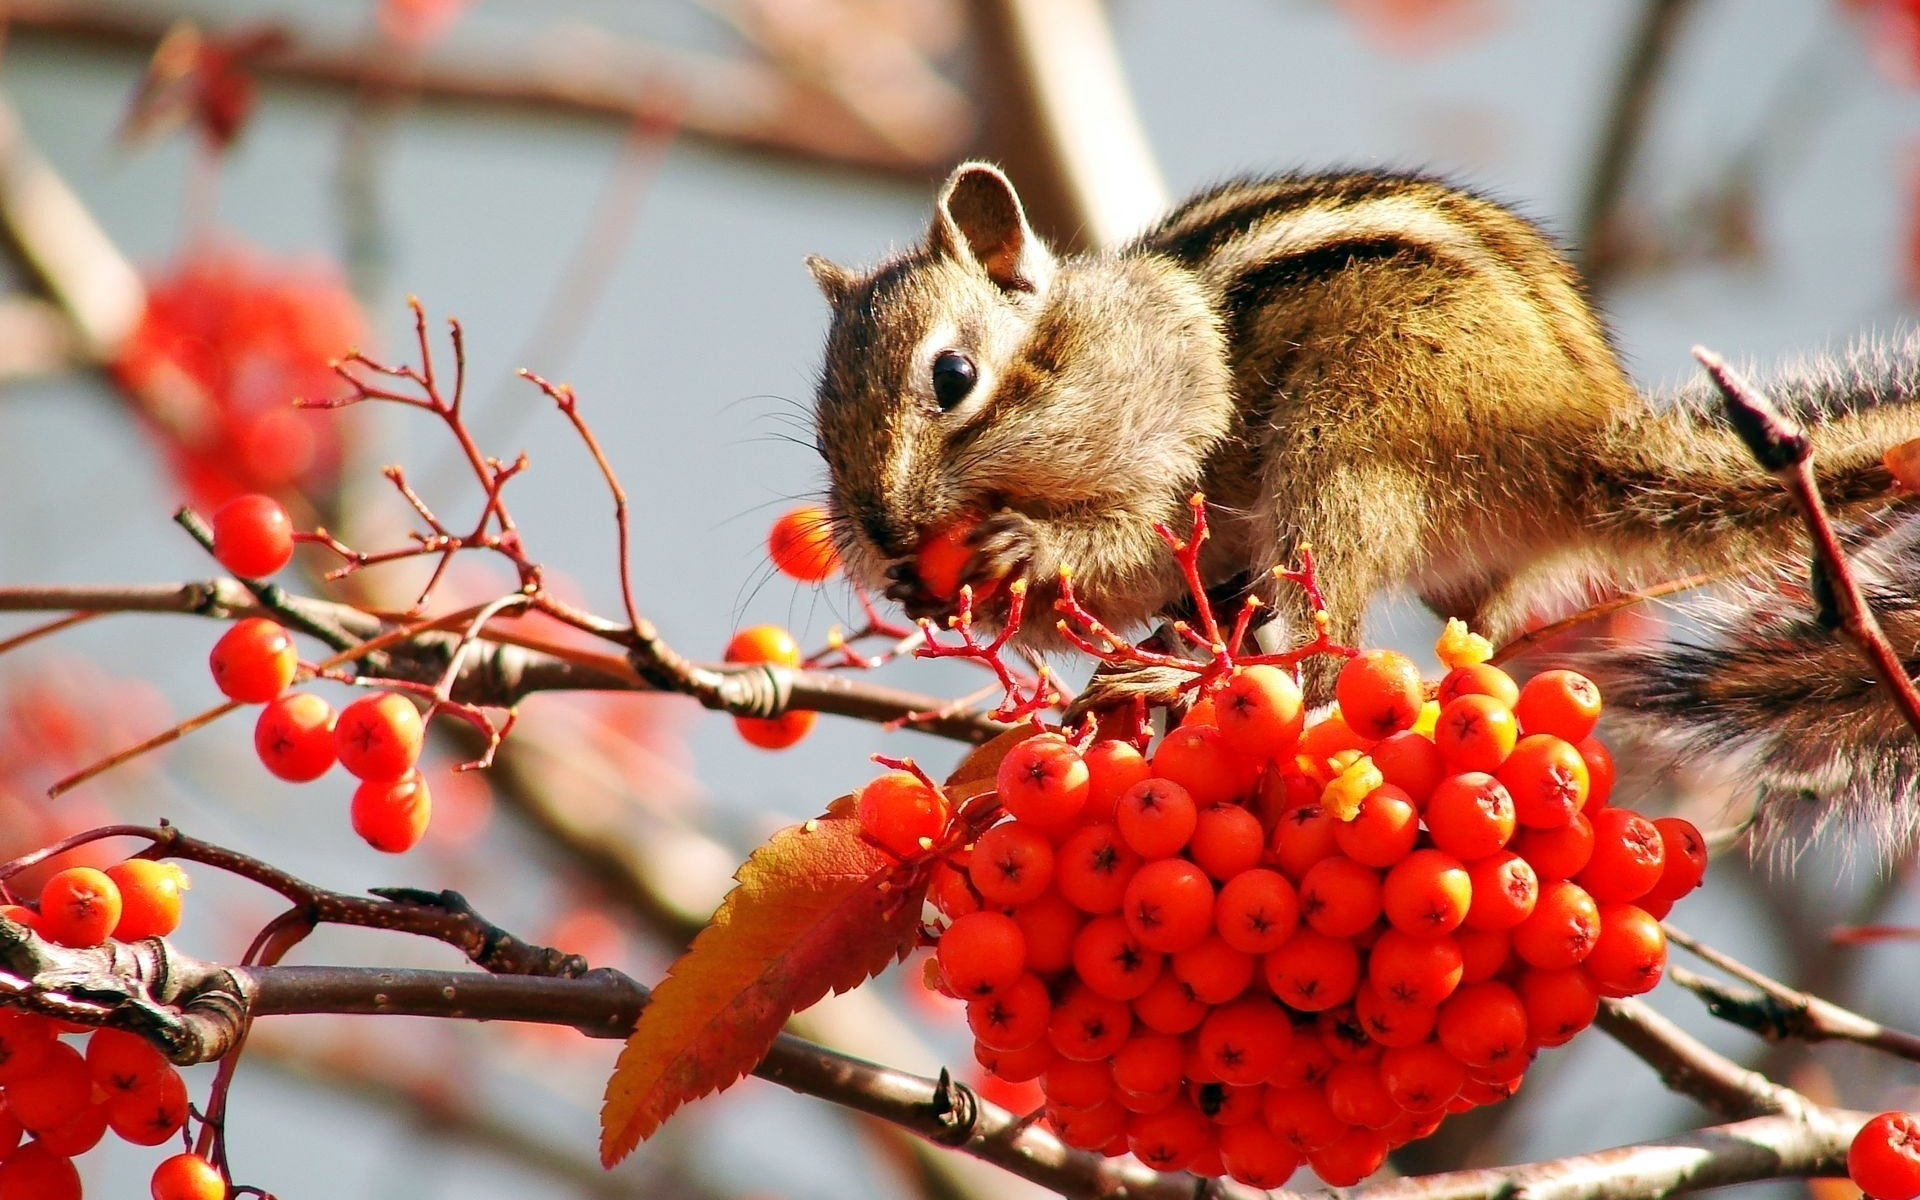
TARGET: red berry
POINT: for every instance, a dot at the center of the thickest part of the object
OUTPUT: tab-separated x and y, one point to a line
1156	817
254	661
34	1172
377	738
1427	893
1383	831
1628	856
1379	693
1259	712
1227	840
79	907
1043	781
1683	859
1199	759
1243	1042
1563	703
56	1092
1169	905
1547	779
1313	972
294	737
149	898
981	953
776	733
801	544
1884	1158
252	536
1630	954
1112	768
119	1062
392	817
1470	815
1561	929
1112	960
1256	911
1012	863
898	810
1093	867
1339	897
1483	679
188	1177
1415	970
1475	733
26	1040
1012	1018
150	1115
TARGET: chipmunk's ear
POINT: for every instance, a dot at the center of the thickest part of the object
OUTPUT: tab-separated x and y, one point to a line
978	217
835	281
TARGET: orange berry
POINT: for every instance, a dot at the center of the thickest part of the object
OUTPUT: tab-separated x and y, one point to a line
1013	1017
26	1040
1563	703
1414	970
1483	1025
1470	815
1475	733
392	816
1043	781
1478	679
1302	836
1557	853
151	1114
1559	1002
294	737
1257	1157
1169	904
1630	953
1256	911
1599	771
1629	856
1883	1159
1382	831
79	907
1547	778
1410	762
1112	768
899	811
1087	1027
1170	1006
1427	893
801	545
253	661
1049	924
776	733
252	536
1339	897
1391	1022
1260	713
1561	929
1312	972
763	644
1683	859
1172	1138
1351	1157
1227	840
1422	1077
1156	817
187	1177
149	898
982	952
378	738
943	554
1012	863
1113	960
1379	693
1093	867
1150	1065
120	1062
1199	759
55	1092
34	1172
1213	971
1505	889
1242	1042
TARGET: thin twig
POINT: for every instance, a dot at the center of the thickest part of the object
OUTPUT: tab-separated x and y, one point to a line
1785	451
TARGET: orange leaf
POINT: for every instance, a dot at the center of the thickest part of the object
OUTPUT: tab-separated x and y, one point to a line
818	908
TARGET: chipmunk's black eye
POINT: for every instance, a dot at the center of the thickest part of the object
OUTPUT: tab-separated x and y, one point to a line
953	377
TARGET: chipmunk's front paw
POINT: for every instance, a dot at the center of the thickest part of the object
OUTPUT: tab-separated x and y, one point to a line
906	588
1115	687
1003	548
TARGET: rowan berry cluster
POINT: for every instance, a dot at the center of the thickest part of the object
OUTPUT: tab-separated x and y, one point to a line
1267	942
298	736
63	1087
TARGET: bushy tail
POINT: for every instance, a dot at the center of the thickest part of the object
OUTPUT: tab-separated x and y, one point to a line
1789	704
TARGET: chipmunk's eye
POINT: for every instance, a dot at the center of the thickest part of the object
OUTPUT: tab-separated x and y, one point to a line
953	377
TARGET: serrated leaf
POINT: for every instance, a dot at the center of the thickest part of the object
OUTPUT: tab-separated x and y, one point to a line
818	908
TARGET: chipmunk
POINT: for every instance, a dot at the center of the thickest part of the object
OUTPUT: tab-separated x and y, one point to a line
1403	375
